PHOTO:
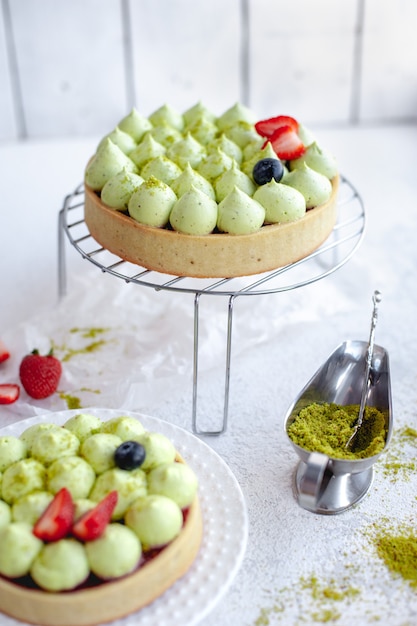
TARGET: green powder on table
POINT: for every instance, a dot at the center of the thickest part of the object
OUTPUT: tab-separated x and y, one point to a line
91	332
399	553
327	427
73	402
319	600
400	463
94	346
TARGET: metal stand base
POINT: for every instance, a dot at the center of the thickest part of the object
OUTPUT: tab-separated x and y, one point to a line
339	492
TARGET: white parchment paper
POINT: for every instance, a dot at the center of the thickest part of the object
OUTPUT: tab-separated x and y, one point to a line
124	345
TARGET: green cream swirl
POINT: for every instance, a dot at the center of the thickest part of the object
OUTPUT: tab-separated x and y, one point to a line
189	150
135	124
117	191
196	113
215	164
190	178
161	168
166	114
282	203
194	213
315	187
318	159
239	214
152	202
230	179
146	150
106	163
120	138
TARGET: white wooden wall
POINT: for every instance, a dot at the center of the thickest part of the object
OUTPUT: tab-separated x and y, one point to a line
75	67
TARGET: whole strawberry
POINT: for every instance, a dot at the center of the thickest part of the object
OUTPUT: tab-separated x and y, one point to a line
40	375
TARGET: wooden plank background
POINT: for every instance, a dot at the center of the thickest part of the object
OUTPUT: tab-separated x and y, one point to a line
75	68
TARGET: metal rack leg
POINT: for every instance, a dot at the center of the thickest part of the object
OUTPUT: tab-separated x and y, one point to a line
195	426
62	270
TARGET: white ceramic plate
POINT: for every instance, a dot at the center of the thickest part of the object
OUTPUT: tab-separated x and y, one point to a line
225	527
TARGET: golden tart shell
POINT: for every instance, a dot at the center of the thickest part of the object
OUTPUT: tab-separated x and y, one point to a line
109	600
217	255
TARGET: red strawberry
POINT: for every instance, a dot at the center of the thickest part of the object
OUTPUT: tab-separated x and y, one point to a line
56	521
286	143
9	393
40	374
266	128
92	524
4	353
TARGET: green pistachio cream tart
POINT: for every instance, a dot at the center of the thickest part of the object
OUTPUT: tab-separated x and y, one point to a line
197	195
97	519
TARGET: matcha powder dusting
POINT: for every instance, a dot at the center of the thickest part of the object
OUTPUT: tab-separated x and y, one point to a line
399	553
327	427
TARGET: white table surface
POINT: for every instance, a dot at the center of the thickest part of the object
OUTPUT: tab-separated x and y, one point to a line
279	341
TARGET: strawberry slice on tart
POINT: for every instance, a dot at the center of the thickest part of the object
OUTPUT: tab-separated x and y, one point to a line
92	524
282	132
266	128
56	521
286	143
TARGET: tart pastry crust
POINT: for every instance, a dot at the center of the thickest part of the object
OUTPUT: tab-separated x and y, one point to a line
217	255
110	600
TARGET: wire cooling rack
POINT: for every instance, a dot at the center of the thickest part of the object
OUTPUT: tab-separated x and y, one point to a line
333	254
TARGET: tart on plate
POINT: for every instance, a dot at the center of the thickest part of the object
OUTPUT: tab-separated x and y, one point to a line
197	195
97	519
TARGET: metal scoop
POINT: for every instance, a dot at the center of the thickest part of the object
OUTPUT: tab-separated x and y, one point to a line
376	298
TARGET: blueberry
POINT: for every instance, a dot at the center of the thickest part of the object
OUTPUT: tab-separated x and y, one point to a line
129	455
267	169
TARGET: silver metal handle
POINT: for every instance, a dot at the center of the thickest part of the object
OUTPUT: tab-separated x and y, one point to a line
311	484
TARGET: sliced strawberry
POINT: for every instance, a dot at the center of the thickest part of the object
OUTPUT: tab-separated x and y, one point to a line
286	143
266	128
4	353
9	393
92	524
56	521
